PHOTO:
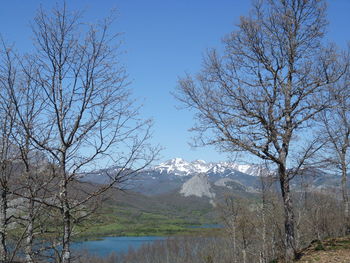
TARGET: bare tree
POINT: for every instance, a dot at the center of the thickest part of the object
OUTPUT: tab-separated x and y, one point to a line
35	179
229	213
261	95
336	131
7	154
25	174
87	119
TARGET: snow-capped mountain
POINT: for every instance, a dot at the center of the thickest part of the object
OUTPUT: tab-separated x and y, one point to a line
250	169
201	179
179	166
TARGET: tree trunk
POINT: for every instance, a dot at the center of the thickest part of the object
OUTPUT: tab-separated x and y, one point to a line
3	226
288	215
345	199
30	233
263	218
234	260
264	250
244	254
66	256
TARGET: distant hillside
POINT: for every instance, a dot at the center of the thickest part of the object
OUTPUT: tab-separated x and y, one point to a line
134	214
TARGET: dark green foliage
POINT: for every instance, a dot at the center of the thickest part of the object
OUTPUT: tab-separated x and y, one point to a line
319	246
209	259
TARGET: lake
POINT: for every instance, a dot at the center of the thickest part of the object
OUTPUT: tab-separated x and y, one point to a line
107	245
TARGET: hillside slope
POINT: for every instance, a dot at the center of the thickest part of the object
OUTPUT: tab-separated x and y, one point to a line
334	250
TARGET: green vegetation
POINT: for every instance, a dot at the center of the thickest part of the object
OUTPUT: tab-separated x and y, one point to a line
319	246
123	221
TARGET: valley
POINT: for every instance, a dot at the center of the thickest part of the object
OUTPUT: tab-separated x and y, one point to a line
166	199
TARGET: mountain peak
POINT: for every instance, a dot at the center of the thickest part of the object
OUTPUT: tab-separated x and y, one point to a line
179	166
177	160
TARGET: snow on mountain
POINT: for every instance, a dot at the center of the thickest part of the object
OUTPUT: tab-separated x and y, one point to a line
250	169
253	170
199	186
219	168
243	168
179	166
201	166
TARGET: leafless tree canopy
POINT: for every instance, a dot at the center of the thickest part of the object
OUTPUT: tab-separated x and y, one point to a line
261	95
69	101
87	107
268	82
336	133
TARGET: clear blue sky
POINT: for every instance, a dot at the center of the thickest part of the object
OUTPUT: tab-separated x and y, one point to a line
162	40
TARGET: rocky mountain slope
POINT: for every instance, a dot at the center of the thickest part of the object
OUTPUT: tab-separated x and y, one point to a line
199	186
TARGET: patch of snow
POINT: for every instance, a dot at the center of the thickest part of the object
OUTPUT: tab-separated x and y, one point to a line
180	167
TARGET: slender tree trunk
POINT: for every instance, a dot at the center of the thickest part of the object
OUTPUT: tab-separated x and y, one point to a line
66	255
263	218
234	241
273	244
345	199
244	254
3	226
288	215
30	233
263	252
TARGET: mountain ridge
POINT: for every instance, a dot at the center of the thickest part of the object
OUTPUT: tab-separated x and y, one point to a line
172	175
181	167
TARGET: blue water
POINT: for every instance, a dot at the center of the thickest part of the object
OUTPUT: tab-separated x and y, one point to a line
108	245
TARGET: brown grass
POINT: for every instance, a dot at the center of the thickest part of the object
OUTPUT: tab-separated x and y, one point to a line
335	250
